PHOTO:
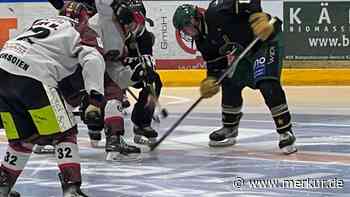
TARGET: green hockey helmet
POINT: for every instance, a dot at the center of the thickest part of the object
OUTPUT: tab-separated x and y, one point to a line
183	15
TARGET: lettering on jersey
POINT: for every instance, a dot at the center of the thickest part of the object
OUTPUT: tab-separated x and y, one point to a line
259	67
14	60
47	24
16	47
52	23
272	55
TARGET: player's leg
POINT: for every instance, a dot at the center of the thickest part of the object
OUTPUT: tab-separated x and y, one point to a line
31	118
59	129
15	159
144	110
142	118
116	146
62	134
68	160
231	105
95	124
17	127
72	89
267	70
275	99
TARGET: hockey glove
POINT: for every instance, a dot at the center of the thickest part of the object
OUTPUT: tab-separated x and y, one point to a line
92	107
209	87
259	22
143	68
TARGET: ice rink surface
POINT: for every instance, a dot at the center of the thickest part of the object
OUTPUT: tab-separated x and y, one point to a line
184	165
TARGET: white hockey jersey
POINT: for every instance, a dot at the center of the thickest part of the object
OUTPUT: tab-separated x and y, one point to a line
49	51
111	33
113	39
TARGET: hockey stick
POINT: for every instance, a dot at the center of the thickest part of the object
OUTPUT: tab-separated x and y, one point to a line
228	73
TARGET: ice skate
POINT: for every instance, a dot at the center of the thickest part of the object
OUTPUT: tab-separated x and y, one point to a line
5	188
287	143
95	137
71	189
118	150
225	136
145	135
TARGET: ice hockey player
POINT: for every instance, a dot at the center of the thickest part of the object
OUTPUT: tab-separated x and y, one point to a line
220	33
33	110
114	30
86	9
140	43
116	75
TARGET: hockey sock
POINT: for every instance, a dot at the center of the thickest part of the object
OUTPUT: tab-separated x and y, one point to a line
282	118
68	160
15	159
231	116
114	121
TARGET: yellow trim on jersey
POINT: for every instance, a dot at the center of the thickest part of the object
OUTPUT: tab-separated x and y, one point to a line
45	120
9	125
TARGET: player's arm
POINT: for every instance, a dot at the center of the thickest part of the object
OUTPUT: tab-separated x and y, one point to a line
145	42
258	19
90	59
93	69
208	86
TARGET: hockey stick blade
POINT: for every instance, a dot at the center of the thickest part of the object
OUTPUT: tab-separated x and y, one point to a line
172	128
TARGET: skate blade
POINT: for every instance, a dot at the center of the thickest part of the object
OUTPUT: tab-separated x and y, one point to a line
287	150
118	157
227	142
142	140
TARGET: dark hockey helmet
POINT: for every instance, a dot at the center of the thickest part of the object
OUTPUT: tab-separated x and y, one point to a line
183	15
